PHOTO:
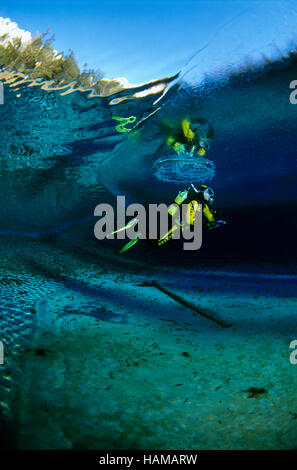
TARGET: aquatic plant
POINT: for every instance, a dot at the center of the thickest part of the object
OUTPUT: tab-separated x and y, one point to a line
38	59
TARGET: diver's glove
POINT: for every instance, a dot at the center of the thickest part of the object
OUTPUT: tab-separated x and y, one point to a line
180	150
217	224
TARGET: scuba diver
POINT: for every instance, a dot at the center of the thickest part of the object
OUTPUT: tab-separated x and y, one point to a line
193	137
195	199
192	197
183	137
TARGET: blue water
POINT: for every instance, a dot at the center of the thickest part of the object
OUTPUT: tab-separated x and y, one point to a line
96	356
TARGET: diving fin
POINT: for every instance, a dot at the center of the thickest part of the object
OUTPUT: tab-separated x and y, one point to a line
129	224
129	245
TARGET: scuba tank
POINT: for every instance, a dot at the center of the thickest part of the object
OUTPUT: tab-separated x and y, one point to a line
180	198
193	206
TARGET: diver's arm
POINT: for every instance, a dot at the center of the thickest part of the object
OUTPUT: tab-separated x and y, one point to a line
212	222
173	144
208	214
170	141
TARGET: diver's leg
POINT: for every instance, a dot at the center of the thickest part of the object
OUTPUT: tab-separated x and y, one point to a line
169	235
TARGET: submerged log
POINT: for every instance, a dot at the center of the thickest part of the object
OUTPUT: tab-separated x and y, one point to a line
203	312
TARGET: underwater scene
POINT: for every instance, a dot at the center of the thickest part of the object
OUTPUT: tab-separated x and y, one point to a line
124	326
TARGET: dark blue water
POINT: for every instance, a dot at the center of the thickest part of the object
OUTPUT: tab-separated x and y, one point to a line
61	175
83	327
